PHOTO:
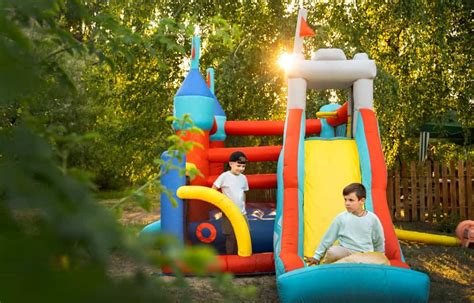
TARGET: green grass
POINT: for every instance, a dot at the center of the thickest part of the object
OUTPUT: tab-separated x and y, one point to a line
113	194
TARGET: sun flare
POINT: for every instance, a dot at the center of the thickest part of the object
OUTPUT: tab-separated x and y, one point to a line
285	61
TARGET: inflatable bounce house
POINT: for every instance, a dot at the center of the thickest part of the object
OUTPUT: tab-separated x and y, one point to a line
197	217
318	158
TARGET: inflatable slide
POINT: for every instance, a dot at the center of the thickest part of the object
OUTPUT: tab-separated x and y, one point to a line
312	172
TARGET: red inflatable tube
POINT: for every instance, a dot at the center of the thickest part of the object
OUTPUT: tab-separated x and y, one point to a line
313	127
214	128
256	263
254	154
198	210
216	168
379	185
254	128
261	181
341	116
267	128
290	225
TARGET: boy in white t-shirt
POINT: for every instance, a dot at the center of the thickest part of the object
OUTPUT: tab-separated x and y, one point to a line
234	185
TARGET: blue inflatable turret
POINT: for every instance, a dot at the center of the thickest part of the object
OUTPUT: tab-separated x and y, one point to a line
328	131
194	97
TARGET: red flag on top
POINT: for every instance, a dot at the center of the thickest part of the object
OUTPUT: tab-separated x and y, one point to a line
193	52
208	79
305	30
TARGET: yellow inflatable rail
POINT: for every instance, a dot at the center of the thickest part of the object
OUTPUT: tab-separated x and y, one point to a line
209	195
427	238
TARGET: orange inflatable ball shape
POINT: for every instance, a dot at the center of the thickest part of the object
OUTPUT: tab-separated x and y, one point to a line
206	232
465	233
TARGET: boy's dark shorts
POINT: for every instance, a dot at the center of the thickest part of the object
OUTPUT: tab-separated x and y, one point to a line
227	227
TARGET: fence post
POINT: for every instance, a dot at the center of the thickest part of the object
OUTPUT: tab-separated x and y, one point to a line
462	190
390	193
437	180
414	196
470	200
429	189
453	188
444	176
421	185
405	193
398	203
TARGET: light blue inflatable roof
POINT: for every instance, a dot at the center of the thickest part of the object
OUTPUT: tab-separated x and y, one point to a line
194	85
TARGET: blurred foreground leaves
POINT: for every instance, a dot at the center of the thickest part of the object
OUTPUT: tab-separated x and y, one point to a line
55	239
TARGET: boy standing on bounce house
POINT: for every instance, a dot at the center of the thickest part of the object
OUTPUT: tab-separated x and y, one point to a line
358	230
234	185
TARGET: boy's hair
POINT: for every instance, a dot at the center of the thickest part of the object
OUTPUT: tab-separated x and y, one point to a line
238	157
356	188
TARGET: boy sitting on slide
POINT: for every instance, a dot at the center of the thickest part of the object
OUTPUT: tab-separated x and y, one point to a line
359	231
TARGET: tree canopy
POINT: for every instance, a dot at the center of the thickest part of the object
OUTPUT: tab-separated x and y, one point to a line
109	70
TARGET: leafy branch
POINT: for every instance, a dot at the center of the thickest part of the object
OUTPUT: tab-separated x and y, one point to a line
178	148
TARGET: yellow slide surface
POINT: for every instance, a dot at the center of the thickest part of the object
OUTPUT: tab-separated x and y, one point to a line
330	165
212	196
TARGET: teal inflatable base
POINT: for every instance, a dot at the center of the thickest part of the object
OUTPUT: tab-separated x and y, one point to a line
353	283
152	228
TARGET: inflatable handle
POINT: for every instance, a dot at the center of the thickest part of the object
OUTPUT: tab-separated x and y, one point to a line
326	114
427	238
221	201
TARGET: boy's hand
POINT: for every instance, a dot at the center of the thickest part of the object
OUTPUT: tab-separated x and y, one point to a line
311	261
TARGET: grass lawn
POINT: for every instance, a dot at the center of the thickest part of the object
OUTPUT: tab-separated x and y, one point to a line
450	268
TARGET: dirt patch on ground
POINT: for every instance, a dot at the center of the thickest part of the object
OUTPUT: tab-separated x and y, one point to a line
138	218
199	289
132	214
450	269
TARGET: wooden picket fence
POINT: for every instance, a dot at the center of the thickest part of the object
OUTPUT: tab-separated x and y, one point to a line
430	191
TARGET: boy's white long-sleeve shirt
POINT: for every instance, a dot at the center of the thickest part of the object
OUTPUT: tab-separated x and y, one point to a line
358	234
